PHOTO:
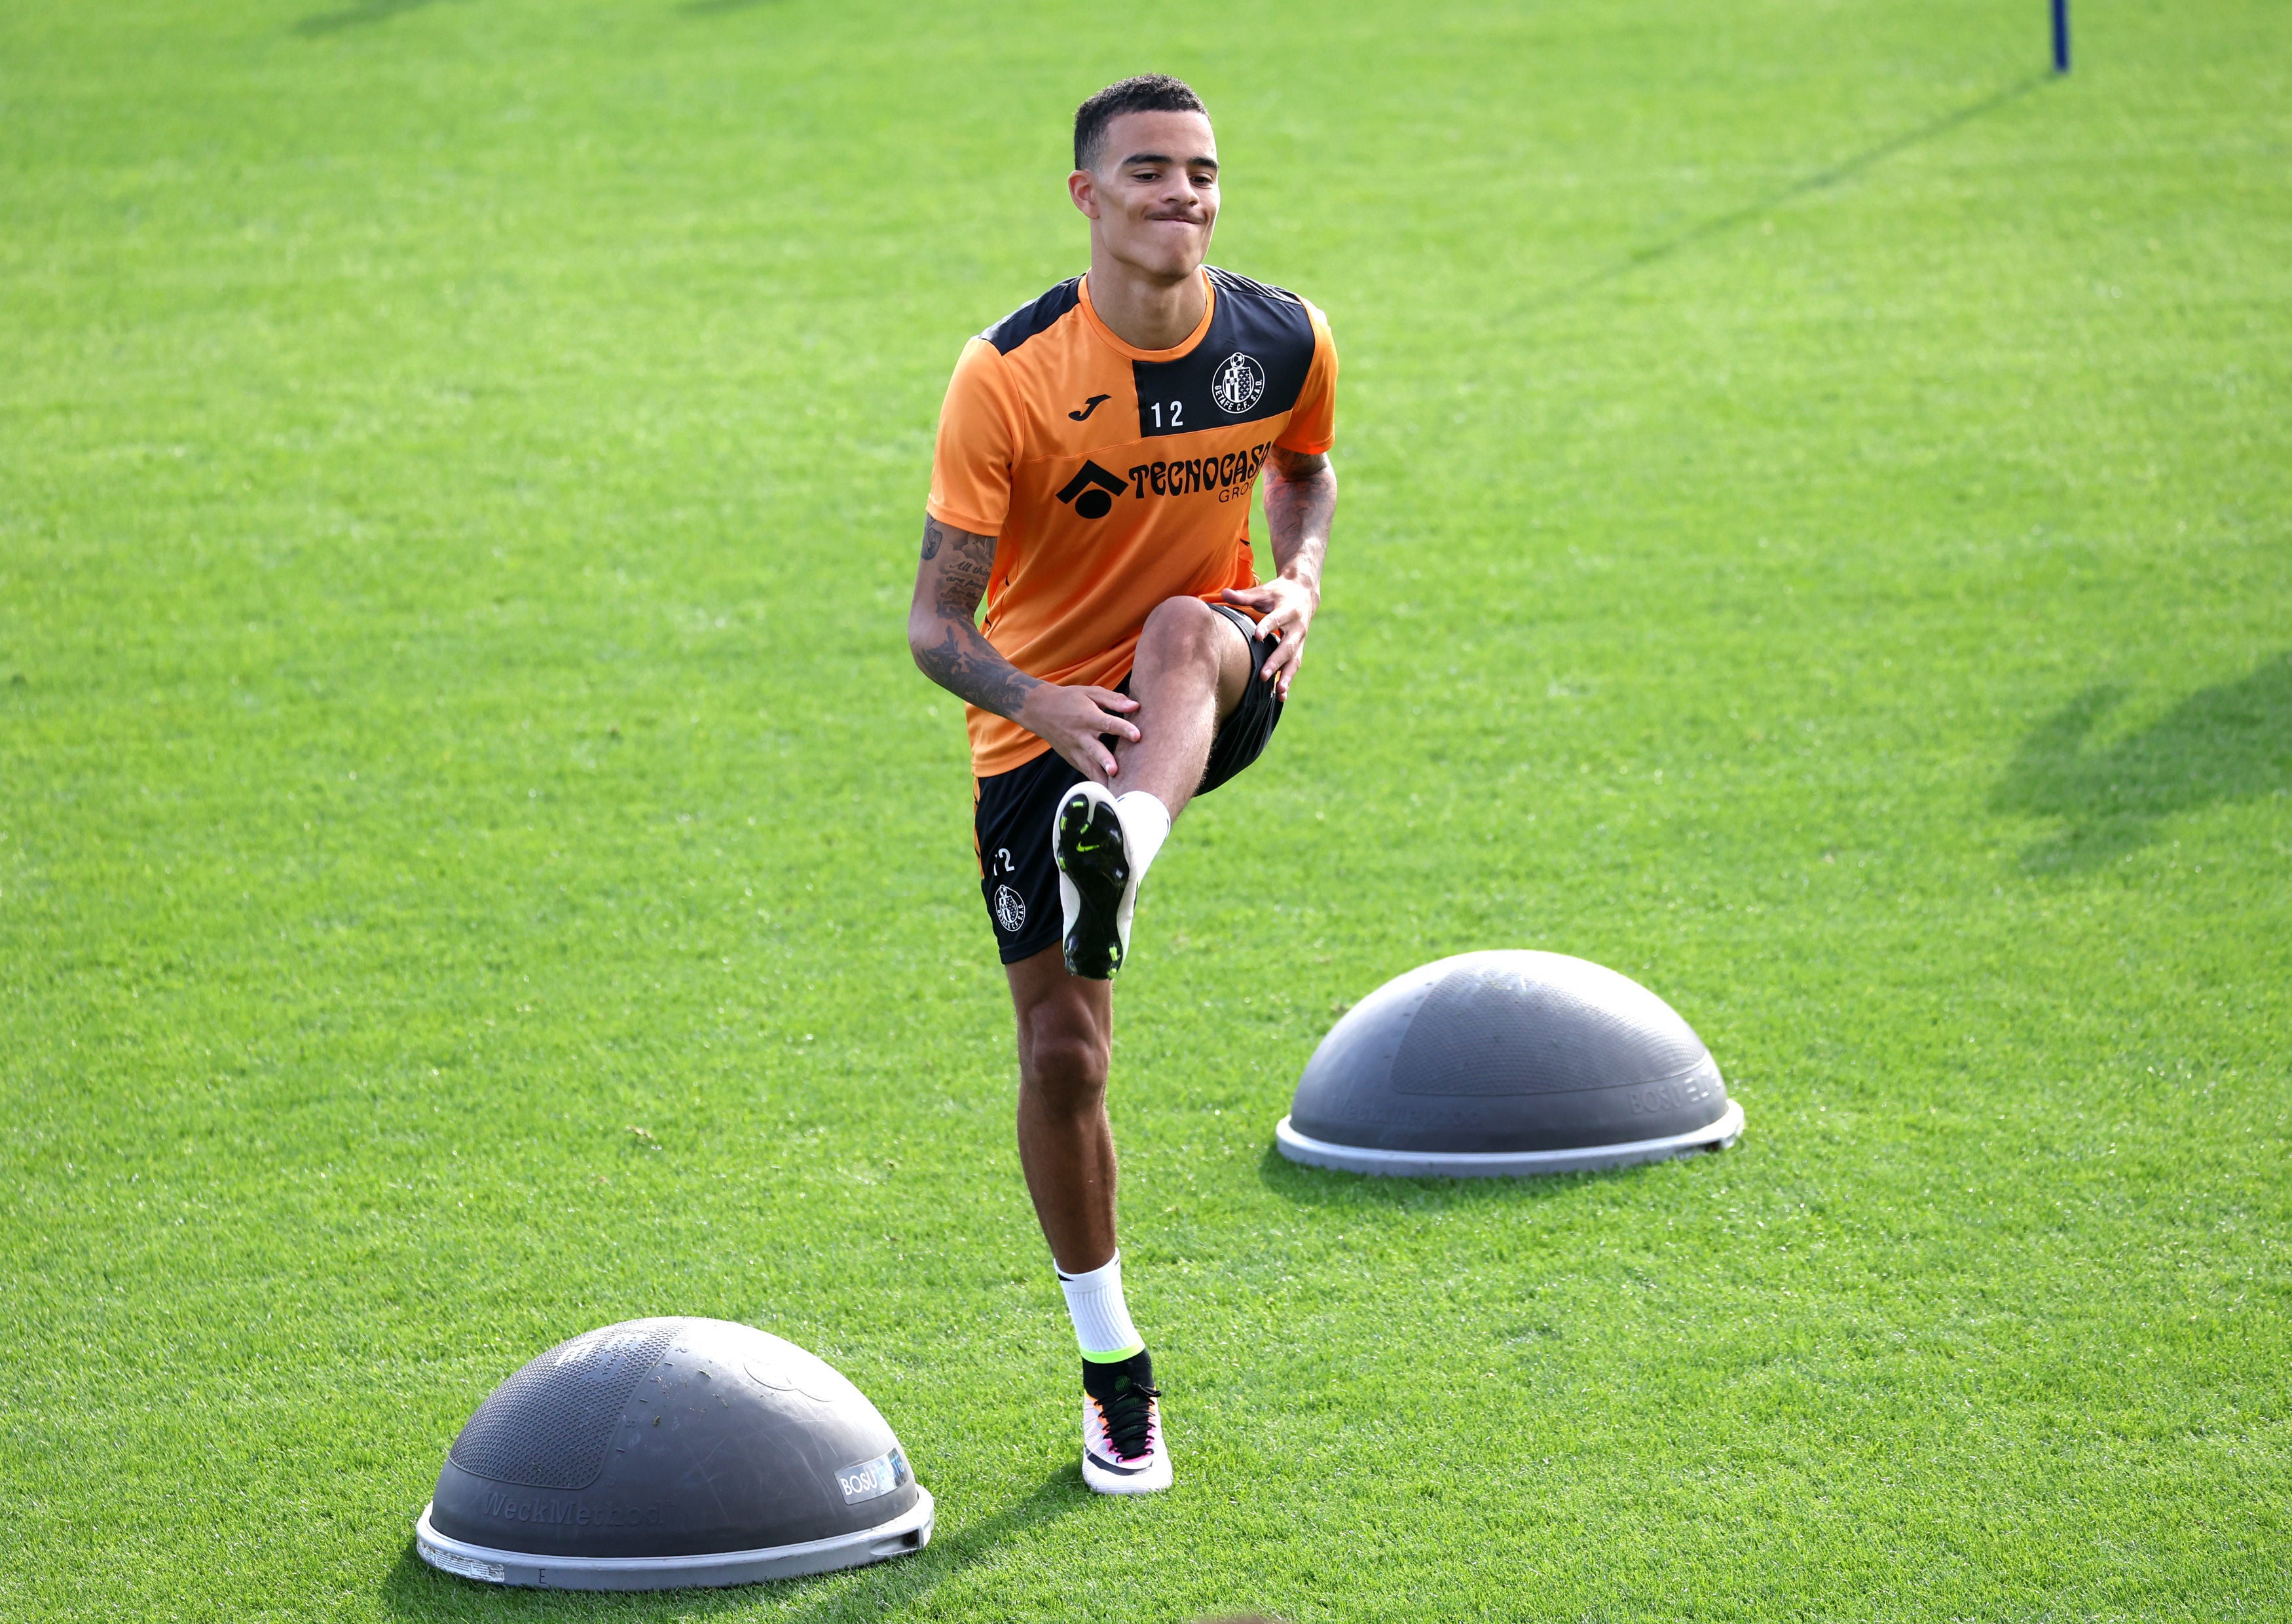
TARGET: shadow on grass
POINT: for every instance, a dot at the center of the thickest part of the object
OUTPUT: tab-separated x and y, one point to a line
1735	219
414	1591
1323	1187
364	14
2229	742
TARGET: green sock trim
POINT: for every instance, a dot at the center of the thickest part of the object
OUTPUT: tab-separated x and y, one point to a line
1132	1351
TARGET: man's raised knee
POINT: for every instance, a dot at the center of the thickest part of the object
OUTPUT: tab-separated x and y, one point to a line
1182	629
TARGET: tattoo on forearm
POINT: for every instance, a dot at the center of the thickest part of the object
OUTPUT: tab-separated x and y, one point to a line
967	666
1301	498
962	660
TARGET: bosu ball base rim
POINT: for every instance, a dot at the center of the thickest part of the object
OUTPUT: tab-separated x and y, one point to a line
904	1534
1505	1164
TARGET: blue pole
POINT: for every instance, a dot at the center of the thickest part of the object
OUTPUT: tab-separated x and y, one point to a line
2061	36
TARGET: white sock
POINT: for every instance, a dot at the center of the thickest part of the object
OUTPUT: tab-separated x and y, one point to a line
1101	1318
1145	826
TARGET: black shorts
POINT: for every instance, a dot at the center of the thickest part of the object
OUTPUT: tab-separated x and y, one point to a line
1019	877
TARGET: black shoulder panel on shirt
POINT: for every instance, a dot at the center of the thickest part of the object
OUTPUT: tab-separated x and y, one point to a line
1251	364
1234	282
1029	320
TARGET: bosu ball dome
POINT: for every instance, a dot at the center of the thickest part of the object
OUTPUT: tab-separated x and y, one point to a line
661	1453
1508	1063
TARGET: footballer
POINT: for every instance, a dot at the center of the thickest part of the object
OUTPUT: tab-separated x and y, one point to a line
1091	481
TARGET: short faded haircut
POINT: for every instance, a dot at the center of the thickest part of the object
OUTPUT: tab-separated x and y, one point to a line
1147	92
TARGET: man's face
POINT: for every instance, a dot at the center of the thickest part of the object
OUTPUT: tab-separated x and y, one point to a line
1153	194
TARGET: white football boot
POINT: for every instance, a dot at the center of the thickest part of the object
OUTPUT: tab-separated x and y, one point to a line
1122	1447
1098	883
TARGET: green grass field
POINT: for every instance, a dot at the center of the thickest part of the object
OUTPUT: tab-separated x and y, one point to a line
476	861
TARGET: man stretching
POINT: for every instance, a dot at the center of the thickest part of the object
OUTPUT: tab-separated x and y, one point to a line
1095	458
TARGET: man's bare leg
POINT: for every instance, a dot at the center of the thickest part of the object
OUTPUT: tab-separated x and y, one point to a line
1065	1145
1191	670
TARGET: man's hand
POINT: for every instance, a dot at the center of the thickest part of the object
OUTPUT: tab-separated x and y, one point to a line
1301	499
1071	721
948	645
1288	607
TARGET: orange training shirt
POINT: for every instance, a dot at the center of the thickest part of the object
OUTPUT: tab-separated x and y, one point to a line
1111	477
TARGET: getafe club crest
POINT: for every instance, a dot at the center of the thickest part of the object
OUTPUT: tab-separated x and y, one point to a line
1238	384
1010	909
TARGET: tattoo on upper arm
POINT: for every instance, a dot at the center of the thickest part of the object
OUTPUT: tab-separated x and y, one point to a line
933	537
964	574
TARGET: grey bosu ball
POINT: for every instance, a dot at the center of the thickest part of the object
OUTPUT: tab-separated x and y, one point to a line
1508	1063
661	1453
